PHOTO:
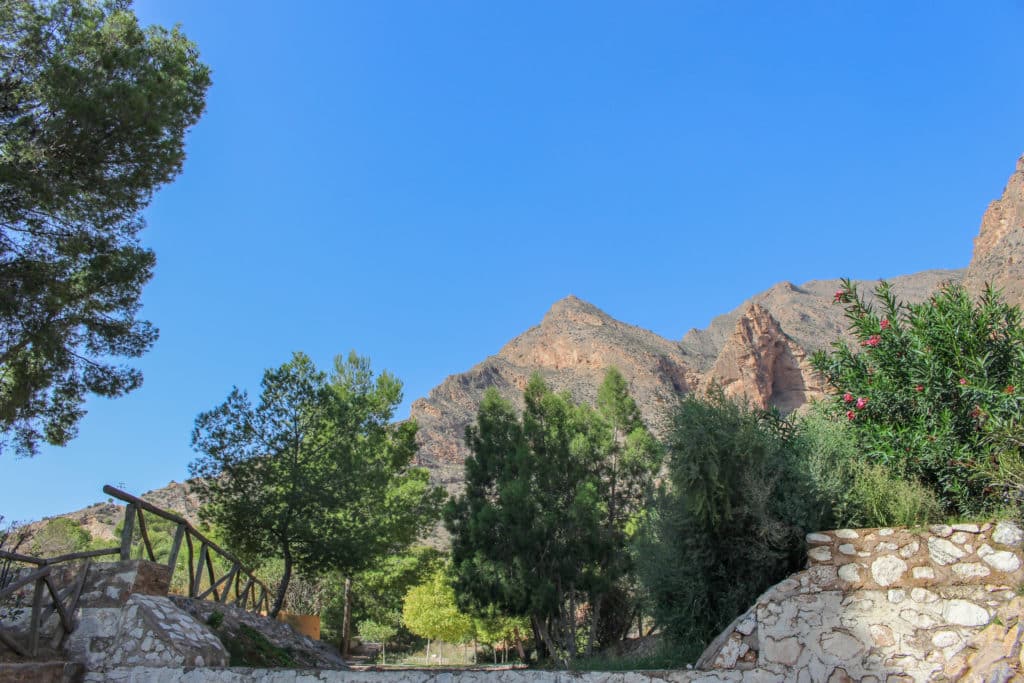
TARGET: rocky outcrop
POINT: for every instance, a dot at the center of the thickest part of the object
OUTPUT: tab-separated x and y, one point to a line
888	605
999	247
125	618
762	365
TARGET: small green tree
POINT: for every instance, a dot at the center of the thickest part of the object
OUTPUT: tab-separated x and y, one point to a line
377	591
375	632
931	387
429	610
59	536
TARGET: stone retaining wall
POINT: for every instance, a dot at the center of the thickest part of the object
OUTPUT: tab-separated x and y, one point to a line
243	675
885	605
126	618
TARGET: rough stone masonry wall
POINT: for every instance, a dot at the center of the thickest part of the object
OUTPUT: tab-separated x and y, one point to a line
125	618
887	605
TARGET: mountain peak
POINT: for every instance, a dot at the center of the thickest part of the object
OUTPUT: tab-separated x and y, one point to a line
574	309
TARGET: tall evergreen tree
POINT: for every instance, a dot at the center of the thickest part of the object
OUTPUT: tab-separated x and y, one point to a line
93	114
540	529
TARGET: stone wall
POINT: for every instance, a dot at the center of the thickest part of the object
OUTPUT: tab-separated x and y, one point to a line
886	605
126	618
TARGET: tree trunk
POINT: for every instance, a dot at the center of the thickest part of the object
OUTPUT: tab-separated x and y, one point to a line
282	588
426	658
519	645
346	628
542	629
570	639
595	616
538	641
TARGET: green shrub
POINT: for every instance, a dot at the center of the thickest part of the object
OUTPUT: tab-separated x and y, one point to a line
933	392
861	493
730	521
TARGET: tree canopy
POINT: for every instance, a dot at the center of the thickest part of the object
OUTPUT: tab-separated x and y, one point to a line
542	526
315	473
429	610
93	114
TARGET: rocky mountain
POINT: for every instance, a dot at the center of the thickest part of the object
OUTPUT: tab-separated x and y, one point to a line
999	247
101	519
758	350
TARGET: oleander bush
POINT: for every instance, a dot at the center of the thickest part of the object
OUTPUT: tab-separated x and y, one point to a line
932	392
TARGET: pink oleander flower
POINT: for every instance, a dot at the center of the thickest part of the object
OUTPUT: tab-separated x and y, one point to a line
872	341
861	402
847	397
963	381
885	323
850	415
919	387
1009	388
838	296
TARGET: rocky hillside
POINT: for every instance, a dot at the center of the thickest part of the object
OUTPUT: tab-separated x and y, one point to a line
999	246
101	519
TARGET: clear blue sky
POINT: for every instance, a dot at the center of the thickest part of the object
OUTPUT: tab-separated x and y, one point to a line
419	181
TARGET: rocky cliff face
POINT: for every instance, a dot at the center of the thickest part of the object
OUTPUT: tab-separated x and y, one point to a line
571	348
999	246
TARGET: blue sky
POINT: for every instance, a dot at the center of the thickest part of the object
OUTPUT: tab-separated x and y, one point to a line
420	181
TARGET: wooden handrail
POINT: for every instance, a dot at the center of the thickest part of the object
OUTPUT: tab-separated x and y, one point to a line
64	602
170	516
44	561
207	546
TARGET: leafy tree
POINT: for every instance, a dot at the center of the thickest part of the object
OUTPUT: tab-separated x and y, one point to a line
497	628
541	527
315	473
378	633
93	113
377	590
429	610
932	392
729	522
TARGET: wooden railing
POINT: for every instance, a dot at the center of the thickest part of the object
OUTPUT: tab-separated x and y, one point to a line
235	584
248	591
63	602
